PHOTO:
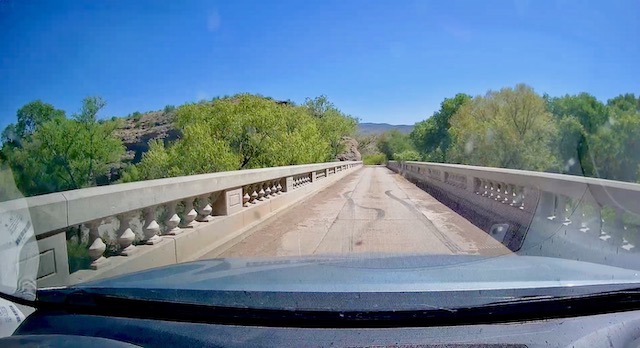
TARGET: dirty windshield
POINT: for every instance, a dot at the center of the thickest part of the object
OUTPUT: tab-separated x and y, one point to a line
319	146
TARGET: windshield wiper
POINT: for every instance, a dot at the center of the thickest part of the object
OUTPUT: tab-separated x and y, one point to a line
512	310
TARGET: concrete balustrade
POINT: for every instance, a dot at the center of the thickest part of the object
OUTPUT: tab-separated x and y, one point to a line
546	203
182	218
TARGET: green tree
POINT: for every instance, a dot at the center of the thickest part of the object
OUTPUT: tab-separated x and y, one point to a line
615	147
394	142
570	144
591	114
431	137
332	124
509	128
625	102
244	131
30	118
64	154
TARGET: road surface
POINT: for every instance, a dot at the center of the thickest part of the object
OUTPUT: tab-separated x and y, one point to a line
372	210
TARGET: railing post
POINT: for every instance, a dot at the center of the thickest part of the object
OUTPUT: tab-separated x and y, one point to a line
204	209
561	208
230	202
96	245
254	194
618	232
126	235
173	220
288	184
190	213
151	228
546	204
267	190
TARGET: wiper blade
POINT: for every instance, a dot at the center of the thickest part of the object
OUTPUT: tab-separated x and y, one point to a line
513	310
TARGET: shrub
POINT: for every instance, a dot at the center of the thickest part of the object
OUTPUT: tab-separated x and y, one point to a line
378	158
169	109
78	256
408	155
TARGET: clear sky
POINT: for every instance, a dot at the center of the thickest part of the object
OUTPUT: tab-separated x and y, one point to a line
381	61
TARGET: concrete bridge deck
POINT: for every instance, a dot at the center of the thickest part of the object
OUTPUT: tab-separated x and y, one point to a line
372	210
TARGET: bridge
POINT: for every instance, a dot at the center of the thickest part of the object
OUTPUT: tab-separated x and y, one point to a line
331	208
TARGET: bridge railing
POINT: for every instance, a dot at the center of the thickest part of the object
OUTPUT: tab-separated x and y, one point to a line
487	196
127	220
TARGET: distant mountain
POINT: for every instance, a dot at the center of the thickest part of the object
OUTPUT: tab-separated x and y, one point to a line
378	128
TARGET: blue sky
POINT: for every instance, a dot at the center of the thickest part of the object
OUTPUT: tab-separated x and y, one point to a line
381	61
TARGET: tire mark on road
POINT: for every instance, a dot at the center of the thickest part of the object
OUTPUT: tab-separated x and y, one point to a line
451	245
380	213
347	204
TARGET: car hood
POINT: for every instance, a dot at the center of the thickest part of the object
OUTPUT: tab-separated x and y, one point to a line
374	282
373	273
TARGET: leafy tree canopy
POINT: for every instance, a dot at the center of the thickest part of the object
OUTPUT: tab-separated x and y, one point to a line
510	128
431	136
30	118
331	122
394	142
63	154
244	131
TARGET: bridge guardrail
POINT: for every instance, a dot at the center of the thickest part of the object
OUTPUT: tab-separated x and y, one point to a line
487	195
155	208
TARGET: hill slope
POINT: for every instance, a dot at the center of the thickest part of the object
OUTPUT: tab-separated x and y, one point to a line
379	128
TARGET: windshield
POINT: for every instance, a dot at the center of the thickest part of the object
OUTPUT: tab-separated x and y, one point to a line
157	150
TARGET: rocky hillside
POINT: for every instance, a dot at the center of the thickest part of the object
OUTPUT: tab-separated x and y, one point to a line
136	132
351	152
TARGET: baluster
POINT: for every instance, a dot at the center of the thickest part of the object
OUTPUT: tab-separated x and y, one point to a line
617	234
151	228
484	192
204	209
96	245
516	196
126	235
190	213
274	188
267	190
560	208
254	194
279	188
506	193
173	220
246	198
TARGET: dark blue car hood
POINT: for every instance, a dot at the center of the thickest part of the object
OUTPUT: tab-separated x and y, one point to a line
373	274
360	283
